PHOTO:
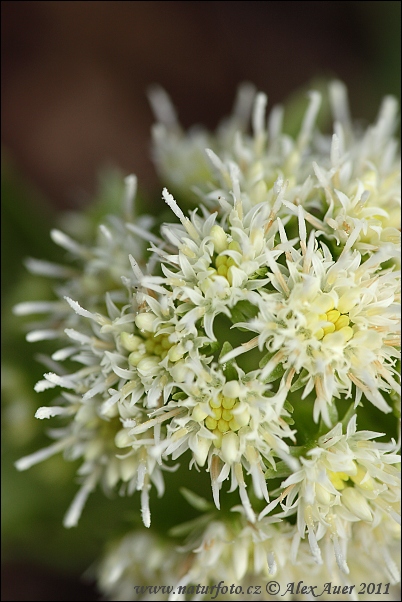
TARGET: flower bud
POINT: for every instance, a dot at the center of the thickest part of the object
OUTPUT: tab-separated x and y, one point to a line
145	321
347	301
323	303
322	495
135	357
356	503
128	468
257	240
230	447
219	238
147	365
176	352
130	341
231	389
199	414
122	439
200	450
363	479
179	372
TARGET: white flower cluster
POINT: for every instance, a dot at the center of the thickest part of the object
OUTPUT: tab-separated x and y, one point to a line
274	304
244	557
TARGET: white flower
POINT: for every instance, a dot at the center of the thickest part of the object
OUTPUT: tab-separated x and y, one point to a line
352	177
213	273
136	562
93	271
346	478
336	324
97	414
204	162
362	184
219	554
234	550
228	426
256	315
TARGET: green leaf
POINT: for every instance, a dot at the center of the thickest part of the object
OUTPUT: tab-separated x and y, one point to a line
333	413
288	407
299	383
348	415
288	420
282	470
178	396
265	359
195	500
226	347
190	526
210	348
276	373
229	369
243	311
260	273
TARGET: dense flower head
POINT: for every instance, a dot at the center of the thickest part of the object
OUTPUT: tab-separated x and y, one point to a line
272	305
351	178
235	553
346	478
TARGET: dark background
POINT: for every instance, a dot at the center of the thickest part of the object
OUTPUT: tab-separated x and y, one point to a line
75	74
74	83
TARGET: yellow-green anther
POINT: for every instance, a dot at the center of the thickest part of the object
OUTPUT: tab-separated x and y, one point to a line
341	322
333	315
227	415
216	413
347	333
228	402
216	403
220	260
319	333
329	328
211	423
223	426
218	439
234	425
234	246
166	344
150	345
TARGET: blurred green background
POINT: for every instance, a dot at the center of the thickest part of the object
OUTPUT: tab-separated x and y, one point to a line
74	85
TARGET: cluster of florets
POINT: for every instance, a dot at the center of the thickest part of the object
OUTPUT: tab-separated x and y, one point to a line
276	298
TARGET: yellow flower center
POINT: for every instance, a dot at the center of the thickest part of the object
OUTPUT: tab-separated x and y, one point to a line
222	416
335	322
157	345
361	478
223	263
338	479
